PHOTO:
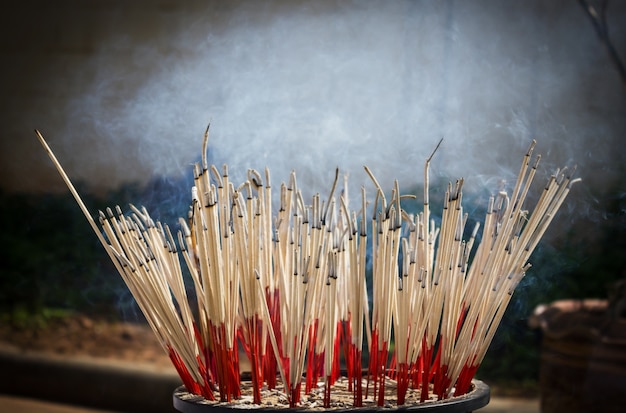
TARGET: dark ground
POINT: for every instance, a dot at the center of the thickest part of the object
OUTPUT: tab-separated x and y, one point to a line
81	335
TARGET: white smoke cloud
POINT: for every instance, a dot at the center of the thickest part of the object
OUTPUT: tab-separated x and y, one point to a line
312	86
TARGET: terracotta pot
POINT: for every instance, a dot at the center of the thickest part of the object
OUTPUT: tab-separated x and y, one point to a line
477	398
583	357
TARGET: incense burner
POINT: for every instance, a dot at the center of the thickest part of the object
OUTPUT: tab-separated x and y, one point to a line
475	399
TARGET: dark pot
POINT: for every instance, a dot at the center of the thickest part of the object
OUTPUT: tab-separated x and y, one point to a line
583	357
477	398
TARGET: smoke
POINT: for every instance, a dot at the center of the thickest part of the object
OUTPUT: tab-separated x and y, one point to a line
312	86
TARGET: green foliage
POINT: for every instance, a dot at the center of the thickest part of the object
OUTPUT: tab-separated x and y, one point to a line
52	258
21	317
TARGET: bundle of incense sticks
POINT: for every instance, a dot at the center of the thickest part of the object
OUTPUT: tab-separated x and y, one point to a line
291	287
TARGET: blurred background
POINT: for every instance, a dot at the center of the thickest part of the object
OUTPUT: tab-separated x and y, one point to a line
123	92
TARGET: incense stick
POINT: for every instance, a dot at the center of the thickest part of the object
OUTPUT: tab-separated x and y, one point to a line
291	287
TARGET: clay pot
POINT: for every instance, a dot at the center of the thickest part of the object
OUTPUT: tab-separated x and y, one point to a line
583	357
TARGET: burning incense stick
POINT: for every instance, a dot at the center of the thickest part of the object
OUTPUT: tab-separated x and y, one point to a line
290	287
